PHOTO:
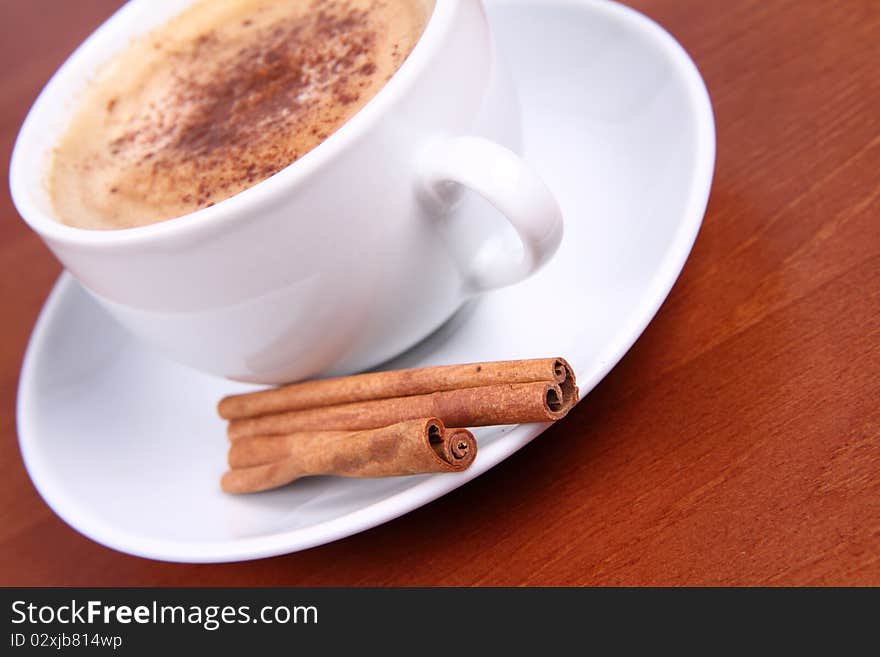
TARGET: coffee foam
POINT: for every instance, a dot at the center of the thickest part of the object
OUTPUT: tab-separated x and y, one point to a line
220	98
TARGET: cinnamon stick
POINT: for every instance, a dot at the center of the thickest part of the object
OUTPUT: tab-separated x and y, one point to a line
513	403
260	450
396	383
417	446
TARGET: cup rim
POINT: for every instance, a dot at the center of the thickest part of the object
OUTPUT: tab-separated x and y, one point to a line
235	207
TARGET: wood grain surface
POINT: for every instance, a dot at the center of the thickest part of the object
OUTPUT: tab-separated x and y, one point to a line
737	443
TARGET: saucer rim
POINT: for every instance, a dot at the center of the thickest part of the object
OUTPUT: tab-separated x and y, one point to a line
284	542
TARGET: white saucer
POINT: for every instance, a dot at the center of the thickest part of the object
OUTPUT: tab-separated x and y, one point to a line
125	446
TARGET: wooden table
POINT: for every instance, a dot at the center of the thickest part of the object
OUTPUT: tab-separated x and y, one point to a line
738	442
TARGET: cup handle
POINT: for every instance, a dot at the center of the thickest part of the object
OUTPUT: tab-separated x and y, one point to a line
502	178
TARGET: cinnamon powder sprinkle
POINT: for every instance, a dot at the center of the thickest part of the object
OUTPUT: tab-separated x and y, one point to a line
224	104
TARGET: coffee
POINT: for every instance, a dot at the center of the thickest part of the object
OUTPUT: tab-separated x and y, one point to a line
220	98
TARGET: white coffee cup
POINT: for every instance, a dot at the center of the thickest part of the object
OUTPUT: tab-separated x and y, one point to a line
343	259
